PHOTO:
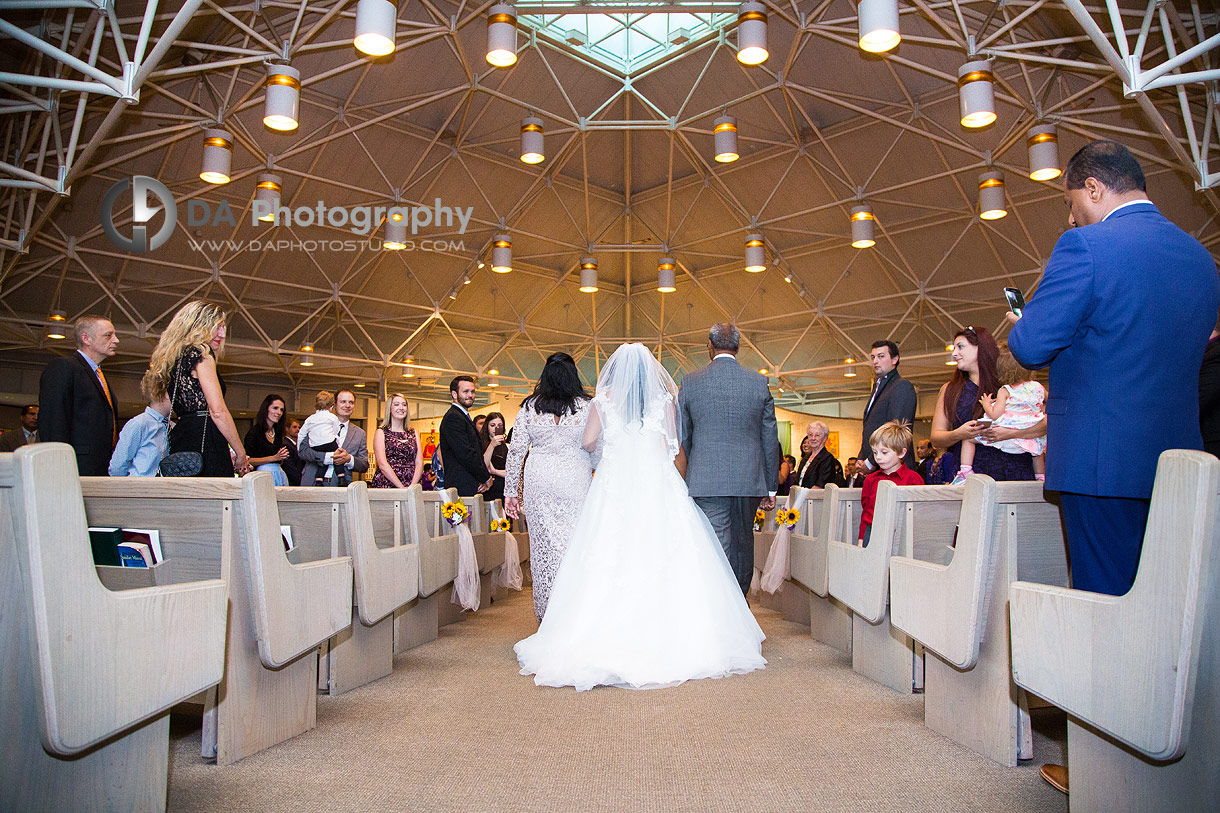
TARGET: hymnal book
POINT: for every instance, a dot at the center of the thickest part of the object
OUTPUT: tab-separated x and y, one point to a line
134	554
104	542
151	538
286	534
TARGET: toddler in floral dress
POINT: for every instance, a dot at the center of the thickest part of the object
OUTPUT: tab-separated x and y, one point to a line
1019	404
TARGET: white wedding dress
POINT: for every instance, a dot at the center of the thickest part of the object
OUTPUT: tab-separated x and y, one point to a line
644	597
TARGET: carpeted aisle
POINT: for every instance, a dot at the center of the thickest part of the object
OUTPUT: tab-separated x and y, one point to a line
456	728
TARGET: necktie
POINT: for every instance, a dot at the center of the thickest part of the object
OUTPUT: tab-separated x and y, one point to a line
114	429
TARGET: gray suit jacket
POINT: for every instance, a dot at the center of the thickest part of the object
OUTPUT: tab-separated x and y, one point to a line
355	441
726	424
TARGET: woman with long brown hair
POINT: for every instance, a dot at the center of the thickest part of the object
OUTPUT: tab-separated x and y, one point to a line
958	410
183	366
265	443
495	453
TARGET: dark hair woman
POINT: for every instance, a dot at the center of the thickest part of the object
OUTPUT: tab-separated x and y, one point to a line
958	410
495	453
558	391
264	442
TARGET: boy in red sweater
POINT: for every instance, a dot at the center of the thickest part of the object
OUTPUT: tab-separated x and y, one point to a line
890	443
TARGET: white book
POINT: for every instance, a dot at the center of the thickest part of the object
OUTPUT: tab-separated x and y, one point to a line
286	534
149	537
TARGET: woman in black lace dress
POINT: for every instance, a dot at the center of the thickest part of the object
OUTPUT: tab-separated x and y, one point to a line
184	368
396	447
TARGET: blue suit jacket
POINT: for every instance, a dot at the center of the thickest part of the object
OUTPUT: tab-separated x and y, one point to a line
1122	316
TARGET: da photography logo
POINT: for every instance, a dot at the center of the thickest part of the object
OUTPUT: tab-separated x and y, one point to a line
142	213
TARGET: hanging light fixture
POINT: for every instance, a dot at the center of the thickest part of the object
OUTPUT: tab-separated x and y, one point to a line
976	90
283	97
502	35
395	231
949	350
57	316
1043	143
407	371
752	33
55	329
307	359
862	226
991	195
307	347
494	380
850	372
375	21
531	140
268	191
588	275
217	156
502	254
878	22
724	132
666	274
756	254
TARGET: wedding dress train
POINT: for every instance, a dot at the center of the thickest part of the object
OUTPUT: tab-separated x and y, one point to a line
644	597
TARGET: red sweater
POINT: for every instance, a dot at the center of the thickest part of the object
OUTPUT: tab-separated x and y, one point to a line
902	476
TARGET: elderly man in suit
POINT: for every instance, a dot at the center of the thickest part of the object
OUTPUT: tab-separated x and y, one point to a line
76	404
352	454
461	449
12	441
1115	287
726	425
893	399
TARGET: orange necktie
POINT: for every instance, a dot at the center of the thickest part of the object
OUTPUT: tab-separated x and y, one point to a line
114	430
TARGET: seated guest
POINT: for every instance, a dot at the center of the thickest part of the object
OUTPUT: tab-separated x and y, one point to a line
396	447
852	474
890	444
941	466
320	432
12	441
428	480
785	474
265	441
923	457
821	468
292	465
144	438
495	453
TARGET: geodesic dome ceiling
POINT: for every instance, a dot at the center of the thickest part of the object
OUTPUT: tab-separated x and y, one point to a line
93	93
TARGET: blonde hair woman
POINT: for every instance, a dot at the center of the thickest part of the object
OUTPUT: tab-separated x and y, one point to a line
183	366
396	446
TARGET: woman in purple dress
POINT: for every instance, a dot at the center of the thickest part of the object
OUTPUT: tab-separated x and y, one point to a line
396	447
958	411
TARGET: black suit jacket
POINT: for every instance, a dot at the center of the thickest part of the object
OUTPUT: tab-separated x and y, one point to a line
73	409
823	470
462	453
895	402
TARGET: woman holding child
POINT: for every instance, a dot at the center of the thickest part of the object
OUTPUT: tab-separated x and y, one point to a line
959	408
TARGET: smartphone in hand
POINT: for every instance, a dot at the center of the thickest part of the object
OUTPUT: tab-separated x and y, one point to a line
1016	300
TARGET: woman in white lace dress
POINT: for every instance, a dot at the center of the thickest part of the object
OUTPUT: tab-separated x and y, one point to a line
557	473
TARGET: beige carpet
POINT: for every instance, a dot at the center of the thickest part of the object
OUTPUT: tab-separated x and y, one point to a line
456	728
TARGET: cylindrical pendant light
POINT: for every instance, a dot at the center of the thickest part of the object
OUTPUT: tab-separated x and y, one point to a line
951	362
217	156
588	275
502	254
878	21
502	35
531	140
850	372
283	97
752	33
55	330
991	195
268	191
724	131
756	254
375	21
862	226
666	275
1043	143
976	90
307	359
395	232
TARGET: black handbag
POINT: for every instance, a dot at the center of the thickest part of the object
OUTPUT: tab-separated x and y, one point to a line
183	464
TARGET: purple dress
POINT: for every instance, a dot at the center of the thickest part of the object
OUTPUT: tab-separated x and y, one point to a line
400	453
987	459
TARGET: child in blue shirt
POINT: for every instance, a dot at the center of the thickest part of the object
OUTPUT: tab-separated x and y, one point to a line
144	438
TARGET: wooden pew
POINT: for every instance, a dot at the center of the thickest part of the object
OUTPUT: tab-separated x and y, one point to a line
90	674
446	610
495	511
912	521
827	512
1139	675
489	548
792	599
332	522
279	612
958	611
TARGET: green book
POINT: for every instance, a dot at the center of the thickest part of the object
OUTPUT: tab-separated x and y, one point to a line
105	543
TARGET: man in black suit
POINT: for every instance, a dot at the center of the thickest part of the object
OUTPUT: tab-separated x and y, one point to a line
893	399
460	446
76	404
925	454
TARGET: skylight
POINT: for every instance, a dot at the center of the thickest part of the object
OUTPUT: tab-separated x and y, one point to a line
627	41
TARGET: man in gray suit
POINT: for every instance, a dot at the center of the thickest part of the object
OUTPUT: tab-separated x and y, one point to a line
726	424
352	454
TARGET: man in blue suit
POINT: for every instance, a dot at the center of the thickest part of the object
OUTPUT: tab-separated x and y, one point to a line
1122	316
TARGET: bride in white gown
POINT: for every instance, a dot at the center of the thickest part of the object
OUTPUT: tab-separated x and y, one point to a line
645	596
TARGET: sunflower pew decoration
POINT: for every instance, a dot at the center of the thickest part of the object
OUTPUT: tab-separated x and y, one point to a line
760	516
455	513
500	525
787	518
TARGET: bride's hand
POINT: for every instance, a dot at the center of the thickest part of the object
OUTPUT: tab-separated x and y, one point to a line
512	507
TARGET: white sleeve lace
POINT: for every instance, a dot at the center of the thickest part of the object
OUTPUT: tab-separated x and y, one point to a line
516	455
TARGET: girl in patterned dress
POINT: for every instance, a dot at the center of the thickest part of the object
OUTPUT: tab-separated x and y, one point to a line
396	447
1019	403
